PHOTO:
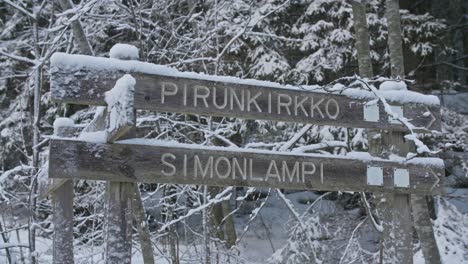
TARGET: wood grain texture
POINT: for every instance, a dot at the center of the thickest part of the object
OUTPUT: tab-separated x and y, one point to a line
143	163
192	96
425	230
394	208
62	205
62	194
118	247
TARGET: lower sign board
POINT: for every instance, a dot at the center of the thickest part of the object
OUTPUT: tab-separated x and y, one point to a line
153	161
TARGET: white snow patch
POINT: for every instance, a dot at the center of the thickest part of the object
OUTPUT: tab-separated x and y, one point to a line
124	52
393	86
117	102
76	62
63	122
96	137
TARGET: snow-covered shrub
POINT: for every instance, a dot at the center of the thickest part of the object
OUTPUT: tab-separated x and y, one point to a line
303	244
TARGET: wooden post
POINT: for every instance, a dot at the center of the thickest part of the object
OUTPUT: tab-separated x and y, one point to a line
396	243
423	226
62	207
118	222
121	123
119	195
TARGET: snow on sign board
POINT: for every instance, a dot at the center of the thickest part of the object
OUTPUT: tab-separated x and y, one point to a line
83	79
143	160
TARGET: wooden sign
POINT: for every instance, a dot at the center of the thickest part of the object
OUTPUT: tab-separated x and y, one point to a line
86	83
184	164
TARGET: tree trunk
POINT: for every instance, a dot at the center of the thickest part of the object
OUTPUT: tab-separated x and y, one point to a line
229	226
395	45
362	38
78	32
401	227
142	226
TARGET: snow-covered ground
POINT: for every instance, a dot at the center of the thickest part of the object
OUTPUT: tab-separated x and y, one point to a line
268	232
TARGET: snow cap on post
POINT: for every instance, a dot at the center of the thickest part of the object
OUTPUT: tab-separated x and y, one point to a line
124	52
120	107
62	122
393	86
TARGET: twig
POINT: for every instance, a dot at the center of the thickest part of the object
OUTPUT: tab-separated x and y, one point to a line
351	238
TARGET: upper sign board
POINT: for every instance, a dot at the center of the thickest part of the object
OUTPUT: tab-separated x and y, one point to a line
82	79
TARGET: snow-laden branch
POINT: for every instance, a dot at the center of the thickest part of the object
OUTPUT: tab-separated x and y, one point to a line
376	225
291	208
19	58
220	197
251	23
321	145
295	138
21	9
179	123
421	147
351	238
252	217
314	203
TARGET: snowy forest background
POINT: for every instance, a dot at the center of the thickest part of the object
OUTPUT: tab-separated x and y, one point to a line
294	42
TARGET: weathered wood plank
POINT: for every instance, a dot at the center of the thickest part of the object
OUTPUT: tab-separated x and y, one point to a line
119	195
186	165
62	193
423	225
205	97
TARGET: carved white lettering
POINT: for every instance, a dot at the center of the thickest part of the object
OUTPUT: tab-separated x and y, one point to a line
237	167
225	101
305	170
269	103
300	104
315	107
185	95
290	175
197	95
184	170
198	166
164	158
253	100
219	167
285	104
321	173
235	98
273	171
337	108
168	88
